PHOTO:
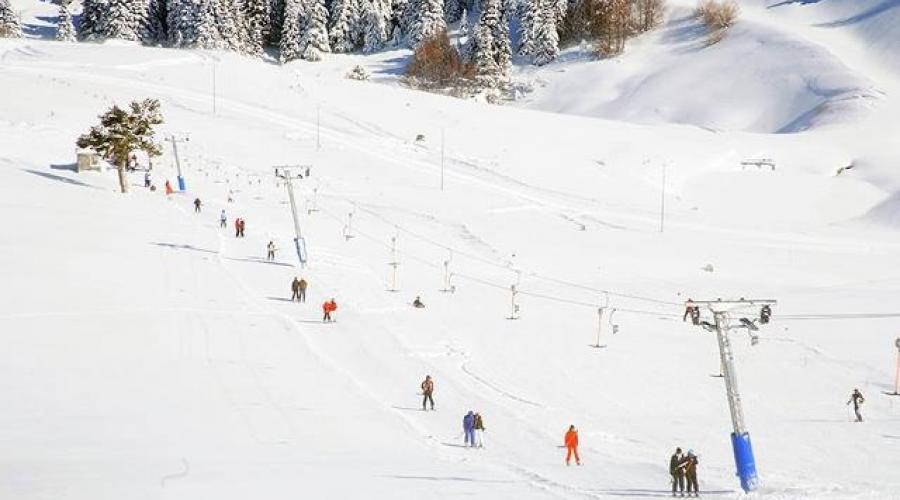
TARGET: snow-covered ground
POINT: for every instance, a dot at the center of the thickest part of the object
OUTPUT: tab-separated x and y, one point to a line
149	354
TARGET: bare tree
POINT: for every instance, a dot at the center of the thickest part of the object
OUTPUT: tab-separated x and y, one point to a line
717	16
122	131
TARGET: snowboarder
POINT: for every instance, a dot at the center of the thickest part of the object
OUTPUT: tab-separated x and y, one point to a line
418	303
479	431
301	288
469	428
270	251
427	390
690	473
328	307
197	204
571	441
147	179
223	220
677	464
857	399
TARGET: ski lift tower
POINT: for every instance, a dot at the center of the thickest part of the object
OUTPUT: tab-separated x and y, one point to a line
740	437
284	173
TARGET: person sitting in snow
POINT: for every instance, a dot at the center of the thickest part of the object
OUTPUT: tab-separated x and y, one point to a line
418	303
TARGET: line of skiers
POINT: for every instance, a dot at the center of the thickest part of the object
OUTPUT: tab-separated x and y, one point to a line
683	468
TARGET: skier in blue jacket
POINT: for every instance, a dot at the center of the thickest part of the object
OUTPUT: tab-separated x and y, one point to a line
469	428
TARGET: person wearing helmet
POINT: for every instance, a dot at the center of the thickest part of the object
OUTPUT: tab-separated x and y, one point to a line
677	463
857	399
571	441
690	473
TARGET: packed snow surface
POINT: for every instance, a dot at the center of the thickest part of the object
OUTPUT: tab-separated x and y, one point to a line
148	353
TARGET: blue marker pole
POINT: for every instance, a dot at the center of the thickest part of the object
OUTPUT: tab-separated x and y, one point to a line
740	438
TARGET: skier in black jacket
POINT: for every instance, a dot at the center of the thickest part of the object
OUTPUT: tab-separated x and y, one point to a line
677	465
857	399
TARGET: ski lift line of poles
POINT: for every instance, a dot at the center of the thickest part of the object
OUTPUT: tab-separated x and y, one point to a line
498	286
532	274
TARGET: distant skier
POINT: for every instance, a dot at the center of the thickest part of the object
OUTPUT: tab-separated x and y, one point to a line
479	431
328	307
691	310
571	442
197	204
295	289
237	227
677	463
427	392
169	189
690	473
469	428
243	225
418	303
223	220
147	180
857	399
301	288
270	251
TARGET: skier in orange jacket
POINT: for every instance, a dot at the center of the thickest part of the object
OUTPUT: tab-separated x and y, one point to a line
572	445
328	308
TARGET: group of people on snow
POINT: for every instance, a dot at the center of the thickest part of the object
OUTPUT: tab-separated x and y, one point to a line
298	289
473	429
239	226
683	469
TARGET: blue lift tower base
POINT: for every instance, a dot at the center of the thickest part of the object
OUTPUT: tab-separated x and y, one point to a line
743	459
181	186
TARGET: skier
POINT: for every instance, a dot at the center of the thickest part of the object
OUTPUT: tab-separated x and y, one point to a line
169	189
197	205
857	399
241	224
295	289
479	431
270	251
571	441
147	179
689	309
301	287
223	220
690	473
328	307
469	428
427	391
677	464
237	227
418	303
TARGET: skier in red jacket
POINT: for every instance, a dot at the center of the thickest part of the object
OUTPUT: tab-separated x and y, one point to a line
572	445
328	307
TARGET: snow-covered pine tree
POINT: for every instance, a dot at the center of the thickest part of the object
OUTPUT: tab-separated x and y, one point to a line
493	28
257	16
122	19
182	17
427	22
343	25
231	26
314	41
205	24
155	30
10	25
291	31
453	10
527	12
482	52
65	30
276	22
546	37
502	43
374	26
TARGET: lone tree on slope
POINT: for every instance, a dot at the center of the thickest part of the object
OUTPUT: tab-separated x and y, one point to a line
122	131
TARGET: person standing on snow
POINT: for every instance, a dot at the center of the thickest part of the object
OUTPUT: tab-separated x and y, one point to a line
237	227
571	441
197	204
169	189
690	473
469	428
147	179
270	251
223	220
242	225
857	399
689	310
295	289
677	463
427	391
479	431
328	308
301	287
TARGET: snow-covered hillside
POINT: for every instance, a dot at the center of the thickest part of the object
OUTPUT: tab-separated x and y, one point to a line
147	353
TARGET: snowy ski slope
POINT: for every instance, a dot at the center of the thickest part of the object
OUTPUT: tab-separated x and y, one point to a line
148	354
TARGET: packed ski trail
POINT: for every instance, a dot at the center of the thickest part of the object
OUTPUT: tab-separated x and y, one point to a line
149	353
